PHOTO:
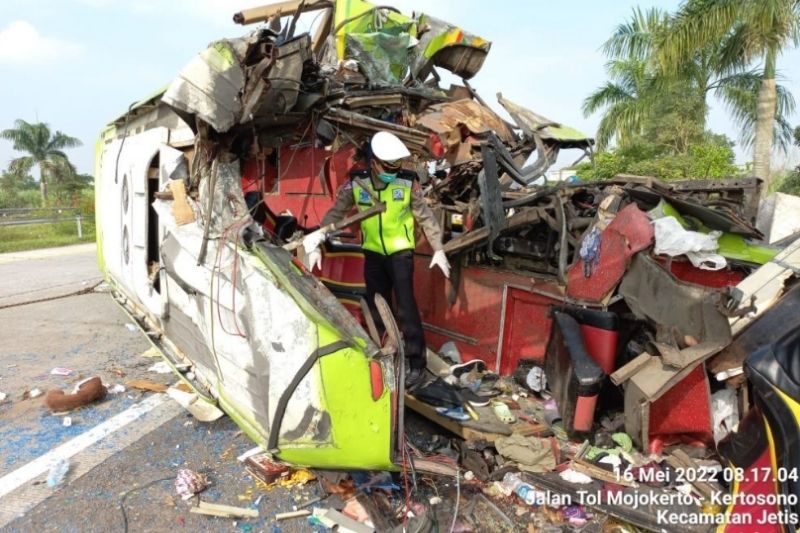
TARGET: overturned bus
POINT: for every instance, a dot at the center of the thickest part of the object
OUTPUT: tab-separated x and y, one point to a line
543	273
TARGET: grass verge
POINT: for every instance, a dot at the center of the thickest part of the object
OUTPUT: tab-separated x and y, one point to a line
31	237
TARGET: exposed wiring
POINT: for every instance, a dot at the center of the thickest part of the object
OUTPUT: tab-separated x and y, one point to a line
458	500
134	489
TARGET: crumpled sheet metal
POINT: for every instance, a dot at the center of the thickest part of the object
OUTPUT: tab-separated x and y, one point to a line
533	124
448	46
209	86
653	293
629	233
447	118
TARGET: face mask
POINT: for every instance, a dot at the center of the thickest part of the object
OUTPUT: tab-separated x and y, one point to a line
386	177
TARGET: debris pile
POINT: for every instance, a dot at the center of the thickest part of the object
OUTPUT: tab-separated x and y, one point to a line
605	348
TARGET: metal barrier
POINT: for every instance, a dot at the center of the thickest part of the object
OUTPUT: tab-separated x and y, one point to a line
21	216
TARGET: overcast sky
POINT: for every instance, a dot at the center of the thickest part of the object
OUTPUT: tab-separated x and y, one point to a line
76	64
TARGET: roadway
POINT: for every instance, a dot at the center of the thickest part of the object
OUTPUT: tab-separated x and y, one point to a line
124	442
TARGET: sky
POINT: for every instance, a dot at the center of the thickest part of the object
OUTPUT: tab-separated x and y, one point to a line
77	64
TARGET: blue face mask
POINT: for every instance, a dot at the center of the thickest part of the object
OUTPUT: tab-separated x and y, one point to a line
386	177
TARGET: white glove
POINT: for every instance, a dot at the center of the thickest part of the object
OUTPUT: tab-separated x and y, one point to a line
440	260
311	244
312	241
314	259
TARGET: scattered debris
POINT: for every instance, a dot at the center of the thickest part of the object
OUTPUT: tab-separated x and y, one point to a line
87	391
161	367
224	511
33	393
61	371
131	327
263	467
199	407
293	514
67	421
58	471
188	483
152	352
117	389
146	385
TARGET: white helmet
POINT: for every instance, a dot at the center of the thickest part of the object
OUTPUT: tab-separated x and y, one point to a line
387	147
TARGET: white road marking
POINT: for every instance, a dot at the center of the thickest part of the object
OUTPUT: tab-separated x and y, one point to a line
149	415
41	464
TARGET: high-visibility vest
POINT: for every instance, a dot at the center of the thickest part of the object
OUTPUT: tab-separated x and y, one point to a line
393	230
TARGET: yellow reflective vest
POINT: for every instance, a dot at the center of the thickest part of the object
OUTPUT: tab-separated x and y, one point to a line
393	230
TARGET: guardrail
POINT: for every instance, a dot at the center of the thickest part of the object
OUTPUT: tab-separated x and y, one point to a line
21	216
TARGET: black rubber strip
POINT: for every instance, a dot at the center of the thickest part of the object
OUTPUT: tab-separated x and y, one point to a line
280	410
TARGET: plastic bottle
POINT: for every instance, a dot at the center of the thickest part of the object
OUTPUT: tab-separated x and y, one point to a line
512	482
58	471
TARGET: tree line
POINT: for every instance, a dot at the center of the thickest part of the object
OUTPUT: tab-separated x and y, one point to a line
43	151
662	67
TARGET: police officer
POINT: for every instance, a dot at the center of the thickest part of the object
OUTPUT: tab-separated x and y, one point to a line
388	238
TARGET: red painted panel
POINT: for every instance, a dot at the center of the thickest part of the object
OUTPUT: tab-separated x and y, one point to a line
526	328
477	310
684	409
629	232
717	279
300	170
757	486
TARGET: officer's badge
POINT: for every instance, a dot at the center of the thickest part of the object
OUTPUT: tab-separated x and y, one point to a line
363	197
398	194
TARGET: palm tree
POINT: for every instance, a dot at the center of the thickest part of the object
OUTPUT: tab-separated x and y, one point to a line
626	99
640	86
745	31
44	149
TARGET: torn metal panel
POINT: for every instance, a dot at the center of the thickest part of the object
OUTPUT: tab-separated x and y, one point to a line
767	284
273	84
779	216
209	86
783	316
535	125
629	233
444	45
447	119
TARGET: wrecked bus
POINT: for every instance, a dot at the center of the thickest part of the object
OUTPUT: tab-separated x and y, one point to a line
572	279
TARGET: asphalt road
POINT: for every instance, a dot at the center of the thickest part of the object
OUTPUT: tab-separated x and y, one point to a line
123	443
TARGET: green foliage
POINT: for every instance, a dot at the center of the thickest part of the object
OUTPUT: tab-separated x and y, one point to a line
791	183
23	198
17	238
710	158
43	148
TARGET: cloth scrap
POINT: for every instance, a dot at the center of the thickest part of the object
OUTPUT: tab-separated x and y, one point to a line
530	453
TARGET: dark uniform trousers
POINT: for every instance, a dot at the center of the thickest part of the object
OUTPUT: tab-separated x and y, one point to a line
382	274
